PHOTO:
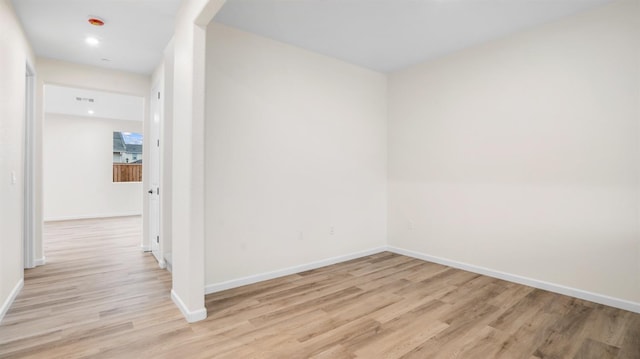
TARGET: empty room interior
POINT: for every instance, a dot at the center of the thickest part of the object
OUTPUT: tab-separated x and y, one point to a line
320	179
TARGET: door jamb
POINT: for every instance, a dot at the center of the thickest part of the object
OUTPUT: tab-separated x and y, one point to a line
156	89
29	213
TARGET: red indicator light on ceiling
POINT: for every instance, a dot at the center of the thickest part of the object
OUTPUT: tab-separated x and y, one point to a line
95	21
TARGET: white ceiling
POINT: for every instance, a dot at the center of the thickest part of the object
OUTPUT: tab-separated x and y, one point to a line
133	38
387	35
383	35
89	103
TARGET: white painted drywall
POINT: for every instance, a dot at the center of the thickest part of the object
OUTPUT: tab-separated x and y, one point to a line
77	169
295	146
522	155
189	54
15	52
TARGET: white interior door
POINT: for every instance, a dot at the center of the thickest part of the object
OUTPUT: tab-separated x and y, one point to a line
154	177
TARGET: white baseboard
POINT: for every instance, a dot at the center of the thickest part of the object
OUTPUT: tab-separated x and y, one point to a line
217	287
552	287
190	316
91	216
12	296
40	261
145	248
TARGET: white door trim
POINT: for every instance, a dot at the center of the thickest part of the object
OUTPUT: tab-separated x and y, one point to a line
154	172
29	215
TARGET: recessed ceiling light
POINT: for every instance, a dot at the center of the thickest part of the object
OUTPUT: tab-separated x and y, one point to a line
92	41
90	112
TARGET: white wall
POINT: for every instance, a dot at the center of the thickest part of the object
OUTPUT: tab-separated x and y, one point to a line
187	200
77	168
522	155
15	52
295	145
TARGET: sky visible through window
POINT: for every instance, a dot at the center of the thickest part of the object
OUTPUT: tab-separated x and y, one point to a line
132	138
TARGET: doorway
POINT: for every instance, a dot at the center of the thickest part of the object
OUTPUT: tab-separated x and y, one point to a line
87	174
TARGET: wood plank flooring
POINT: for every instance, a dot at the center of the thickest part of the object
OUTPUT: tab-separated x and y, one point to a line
99	296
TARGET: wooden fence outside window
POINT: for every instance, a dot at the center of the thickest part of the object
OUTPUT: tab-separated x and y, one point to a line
127	172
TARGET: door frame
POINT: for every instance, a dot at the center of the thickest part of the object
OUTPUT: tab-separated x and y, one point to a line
29	209
156	104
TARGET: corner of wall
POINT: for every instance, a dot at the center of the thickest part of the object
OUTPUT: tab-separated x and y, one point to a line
191	316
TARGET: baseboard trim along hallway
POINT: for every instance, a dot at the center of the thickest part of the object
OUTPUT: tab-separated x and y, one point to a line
40	261
12	296
234	283
91	216
190	315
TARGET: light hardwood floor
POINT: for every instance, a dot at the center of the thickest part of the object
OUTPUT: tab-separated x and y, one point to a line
99	296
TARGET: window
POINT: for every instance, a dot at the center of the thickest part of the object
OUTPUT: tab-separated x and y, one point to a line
127	156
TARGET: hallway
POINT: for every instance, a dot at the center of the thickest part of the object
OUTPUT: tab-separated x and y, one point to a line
97	285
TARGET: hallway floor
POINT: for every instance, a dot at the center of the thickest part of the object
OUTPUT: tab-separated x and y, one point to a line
97	293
